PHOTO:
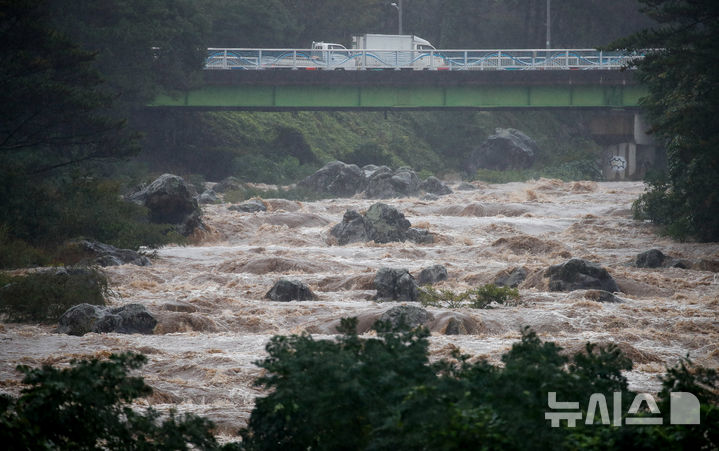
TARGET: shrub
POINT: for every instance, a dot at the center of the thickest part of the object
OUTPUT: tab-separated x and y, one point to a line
15	253
481	297
88	407
44	296
45	214
383	393
568	171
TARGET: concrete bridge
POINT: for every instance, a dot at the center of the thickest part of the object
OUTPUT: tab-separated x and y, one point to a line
614	94
292	90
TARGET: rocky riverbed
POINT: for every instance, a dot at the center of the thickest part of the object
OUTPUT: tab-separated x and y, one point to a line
214	319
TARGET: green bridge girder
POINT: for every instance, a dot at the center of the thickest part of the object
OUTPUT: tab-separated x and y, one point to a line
383	90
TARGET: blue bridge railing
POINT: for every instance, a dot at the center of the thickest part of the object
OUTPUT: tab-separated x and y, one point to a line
452	60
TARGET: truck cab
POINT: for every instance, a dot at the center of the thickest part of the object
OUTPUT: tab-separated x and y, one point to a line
331	56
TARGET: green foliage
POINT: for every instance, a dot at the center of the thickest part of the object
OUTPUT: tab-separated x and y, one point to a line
47	213
683	103
53	109
382	393
446	23
44	296
141	47
569	171
15	253
370	153
348	389
481	297
88	407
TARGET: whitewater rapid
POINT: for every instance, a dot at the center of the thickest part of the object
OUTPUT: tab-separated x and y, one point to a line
214	321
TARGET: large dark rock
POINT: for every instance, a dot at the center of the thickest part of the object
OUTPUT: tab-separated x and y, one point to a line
506	149
511	278
336	178
127	319
208	197
385	224
432	275
434	186
466	186
351	229
229	184
396	285
286	290
381	224
420	236
601	296
385	183
653	258
106	255
578	274
134	319
170	201
406	316
251	206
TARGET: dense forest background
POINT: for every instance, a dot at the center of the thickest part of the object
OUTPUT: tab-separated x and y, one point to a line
76	75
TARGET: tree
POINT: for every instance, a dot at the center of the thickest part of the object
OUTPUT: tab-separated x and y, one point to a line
681	72
51	106
141	47
383	393
87	407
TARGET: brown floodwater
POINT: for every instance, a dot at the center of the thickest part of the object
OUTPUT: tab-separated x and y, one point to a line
202	361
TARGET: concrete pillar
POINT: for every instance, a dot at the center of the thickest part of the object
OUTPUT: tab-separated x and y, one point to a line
641	126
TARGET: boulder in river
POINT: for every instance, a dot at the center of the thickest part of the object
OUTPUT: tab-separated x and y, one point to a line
406	316
601	296
578	274
251	206
385	183
381	224
229	184
512	278
396	285
336	178
208	197
103	254
508	148
433	185
432	275
286	290
170	201
653	258
127	319
351	229
385	224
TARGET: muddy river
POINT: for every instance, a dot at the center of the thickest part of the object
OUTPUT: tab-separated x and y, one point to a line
214	321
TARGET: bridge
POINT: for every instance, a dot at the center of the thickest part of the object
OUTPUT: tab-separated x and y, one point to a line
295	79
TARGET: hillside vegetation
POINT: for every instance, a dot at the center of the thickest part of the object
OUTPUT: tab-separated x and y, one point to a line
283	147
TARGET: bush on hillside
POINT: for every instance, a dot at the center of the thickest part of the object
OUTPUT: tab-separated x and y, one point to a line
44	296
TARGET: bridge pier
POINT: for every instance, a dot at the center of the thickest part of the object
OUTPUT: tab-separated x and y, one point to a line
629	151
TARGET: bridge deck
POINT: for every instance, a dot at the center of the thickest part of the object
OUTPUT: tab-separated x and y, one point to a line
278	90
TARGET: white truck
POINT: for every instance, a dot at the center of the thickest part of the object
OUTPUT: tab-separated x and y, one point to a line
378	51
396	51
